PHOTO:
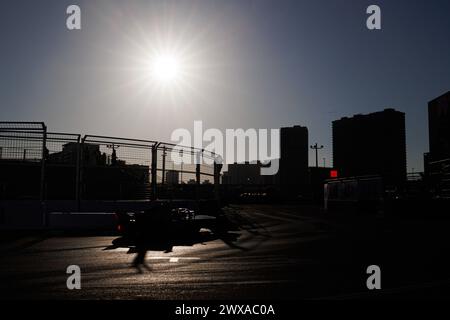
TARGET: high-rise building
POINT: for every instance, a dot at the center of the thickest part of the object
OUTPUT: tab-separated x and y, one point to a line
439	127
372	144
90	152
293	165
172	177
246	174
437	160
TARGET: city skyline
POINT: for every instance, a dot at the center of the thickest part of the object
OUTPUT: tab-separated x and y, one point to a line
295	63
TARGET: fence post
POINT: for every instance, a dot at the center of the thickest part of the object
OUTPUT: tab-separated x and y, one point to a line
82	177
78	174
43	164
163	180
217	168
197	168
197	173
153	170
197	176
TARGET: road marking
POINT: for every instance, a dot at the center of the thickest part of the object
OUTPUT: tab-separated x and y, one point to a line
243	282
173	259
122	249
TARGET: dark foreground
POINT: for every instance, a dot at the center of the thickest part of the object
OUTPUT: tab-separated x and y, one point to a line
276	252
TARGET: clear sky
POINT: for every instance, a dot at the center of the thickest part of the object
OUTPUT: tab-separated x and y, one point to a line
249	64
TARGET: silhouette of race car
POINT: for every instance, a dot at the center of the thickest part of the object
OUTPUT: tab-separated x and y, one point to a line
162	220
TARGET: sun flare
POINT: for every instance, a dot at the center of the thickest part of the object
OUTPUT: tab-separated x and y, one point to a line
166	68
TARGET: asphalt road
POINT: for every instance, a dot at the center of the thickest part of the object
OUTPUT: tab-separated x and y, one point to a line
276	252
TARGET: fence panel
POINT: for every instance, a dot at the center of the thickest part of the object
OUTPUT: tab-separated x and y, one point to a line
115	168
61	179
22	161
41	165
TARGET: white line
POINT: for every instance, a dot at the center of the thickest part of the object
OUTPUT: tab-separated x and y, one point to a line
122	249
173	259
243	282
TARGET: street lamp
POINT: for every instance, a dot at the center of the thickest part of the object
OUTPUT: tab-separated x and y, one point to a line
316	147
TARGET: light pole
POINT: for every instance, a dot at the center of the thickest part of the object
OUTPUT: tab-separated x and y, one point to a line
316	147
163	180
114	154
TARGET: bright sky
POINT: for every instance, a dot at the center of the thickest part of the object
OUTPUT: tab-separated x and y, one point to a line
144	68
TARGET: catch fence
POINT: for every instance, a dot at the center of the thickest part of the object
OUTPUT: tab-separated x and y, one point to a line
37	164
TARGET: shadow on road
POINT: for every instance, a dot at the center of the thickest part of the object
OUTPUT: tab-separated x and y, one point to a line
163	238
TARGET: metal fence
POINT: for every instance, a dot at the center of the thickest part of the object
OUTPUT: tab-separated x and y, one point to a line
22	146
37	164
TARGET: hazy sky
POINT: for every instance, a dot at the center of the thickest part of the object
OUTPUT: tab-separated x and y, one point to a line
249	64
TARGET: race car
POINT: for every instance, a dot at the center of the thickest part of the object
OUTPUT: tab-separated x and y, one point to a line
163	220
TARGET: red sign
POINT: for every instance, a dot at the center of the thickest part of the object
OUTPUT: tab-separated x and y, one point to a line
333	173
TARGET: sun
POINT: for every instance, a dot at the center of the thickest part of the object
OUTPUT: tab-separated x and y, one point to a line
166	68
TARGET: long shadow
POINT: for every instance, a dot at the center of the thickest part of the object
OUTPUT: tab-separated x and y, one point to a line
164	238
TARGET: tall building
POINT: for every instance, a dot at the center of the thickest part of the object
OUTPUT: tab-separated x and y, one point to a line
293	166
172	177
372	144
246	174
439	127
69	154
437	160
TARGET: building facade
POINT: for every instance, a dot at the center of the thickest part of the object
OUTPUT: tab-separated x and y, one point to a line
246	173
439	127
372	144
293	166
172	177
